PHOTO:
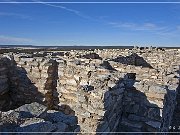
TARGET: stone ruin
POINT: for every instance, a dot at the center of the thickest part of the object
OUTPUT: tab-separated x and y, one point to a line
90	91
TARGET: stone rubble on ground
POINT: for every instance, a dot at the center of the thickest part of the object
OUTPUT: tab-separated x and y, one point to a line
106	90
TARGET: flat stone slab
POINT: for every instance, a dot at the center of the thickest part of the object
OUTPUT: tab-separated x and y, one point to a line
34	109
36	126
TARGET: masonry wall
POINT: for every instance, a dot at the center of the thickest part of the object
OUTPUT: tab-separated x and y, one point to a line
42	75
108	90
4	84
93	93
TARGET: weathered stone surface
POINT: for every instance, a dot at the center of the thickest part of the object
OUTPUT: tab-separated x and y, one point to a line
154	124
34	109
3	89
130	87
132	125
27	119
72	82
134	117
157	89
61	127
55	116
37	127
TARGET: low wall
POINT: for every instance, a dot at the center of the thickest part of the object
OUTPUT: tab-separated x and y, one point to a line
4	83
128	90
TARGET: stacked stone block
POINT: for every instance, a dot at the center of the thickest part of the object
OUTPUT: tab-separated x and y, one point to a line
86	89
4	85
42	74
112	90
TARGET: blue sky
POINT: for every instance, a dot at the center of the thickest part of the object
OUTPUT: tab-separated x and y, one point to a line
90	24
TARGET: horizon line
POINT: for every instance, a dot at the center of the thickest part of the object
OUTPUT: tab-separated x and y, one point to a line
89	46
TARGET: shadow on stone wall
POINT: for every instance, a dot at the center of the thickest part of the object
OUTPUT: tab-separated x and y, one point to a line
51	97
21	99
133	59
36	117
91	56
129	110
108	66
21	89
175	123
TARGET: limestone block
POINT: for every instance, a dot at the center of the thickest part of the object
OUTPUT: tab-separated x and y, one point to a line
157	89
28	60
60	73
36	74
63	81
62	89
96	103
95	95
91	109
154	124
77	77
38	126
90	68
154	114
3	88
71	82
3	81
104	127
81	98
100	112
70	96
69	72
34	109
3	76
61	127
138	86
47	64
155	102
21	63
117	91
71	88
82	112
111	84
49	81
131	125
3	69
112	120
55	116
84	82
155	95
16	58
134	117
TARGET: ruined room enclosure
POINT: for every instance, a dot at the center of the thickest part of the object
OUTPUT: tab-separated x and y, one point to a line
99	90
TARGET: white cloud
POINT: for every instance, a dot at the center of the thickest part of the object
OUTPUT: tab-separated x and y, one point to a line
137	27
21	16
163	31
76	12
14	40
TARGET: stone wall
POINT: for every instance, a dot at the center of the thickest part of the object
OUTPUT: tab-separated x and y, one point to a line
108	90
93	92
4	83
36	118
42	75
